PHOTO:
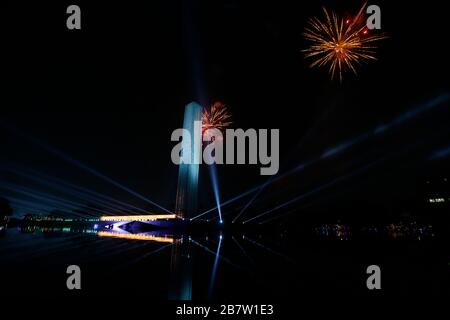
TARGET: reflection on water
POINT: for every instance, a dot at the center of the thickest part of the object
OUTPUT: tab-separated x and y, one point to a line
220	264
148	236
180	282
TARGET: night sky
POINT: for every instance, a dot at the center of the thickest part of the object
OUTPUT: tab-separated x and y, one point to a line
110	95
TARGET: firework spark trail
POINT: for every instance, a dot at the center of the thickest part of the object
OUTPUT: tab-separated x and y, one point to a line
216	117
340	44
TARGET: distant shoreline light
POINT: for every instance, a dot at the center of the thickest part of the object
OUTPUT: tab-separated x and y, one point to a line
149	217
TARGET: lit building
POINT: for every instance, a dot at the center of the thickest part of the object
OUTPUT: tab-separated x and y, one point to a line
438	191
186	201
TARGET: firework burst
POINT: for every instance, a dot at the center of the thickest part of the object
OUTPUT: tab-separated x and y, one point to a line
216	117
340	44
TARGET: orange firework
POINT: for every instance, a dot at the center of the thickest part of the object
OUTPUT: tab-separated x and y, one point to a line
216	117
340	44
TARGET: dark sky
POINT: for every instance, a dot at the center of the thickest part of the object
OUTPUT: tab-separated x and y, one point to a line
111	94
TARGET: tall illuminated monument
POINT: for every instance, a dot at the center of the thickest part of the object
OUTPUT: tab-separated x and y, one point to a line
186	202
